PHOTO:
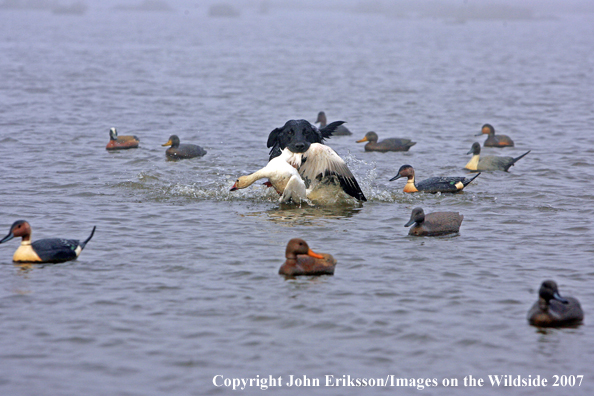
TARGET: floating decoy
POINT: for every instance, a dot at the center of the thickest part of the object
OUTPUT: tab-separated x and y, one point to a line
552	310
121	142
181	151
489	162
341	130
301	260
316	162
434	224
281	175
51	250
433	184
495	141
390	144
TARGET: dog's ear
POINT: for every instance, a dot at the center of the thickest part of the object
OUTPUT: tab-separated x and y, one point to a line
273	137
329	129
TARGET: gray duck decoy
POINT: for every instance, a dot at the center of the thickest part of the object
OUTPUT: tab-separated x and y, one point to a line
340	130
434	224
301	260
552	310
50	250
489	162
390	144
433	184
495	141
182	151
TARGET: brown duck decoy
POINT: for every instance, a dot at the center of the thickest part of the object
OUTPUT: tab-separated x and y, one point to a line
434	224
121	142
489	162
390	144
495	141
552	310
301	260
182	151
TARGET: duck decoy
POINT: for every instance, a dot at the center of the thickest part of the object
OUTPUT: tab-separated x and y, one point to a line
552	310
181	151
301	260
433	184
121	142
281	175
390	144
51	250
341	130
434	224
495	141
489	162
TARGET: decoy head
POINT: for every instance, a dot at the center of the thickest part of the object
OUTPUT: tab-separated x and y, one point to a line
417	216
113	134
475	149
19	228
321	118
299	246
548	291
487	129
173	141
369	137
404	171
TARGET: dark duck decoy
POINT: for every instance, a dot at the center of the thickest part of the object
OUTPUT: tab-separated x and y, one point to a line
51	250
121	142
433	184
434	224
489	162
495	141
391	144
181	151
301	260
552	310
341	130
317	163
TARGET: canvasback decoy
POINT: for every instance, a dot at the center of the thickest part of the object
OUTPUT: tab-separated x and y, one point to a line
390	144
281	175
495	141
121	142
301	260
181	151
432	184
489	162
434	224
341	130
552	310
51	250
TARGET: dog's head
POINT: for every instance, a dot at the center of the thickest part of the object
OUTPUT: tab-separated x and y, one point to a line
297	136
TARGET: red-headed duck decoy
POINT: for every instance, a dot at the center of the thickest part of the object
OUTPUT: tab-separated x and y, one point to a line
433	184
301	260
281	175
181	151
51	250
434	224
121	142
489	162
390	144
495	141
552	310
341	130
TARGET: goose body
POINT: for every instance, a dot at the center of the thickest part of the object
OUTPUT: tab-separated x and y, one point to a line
51	250
121	142
493	140
449	184
301	260
341	130
182	151
390	144
489	162
552	310
434	224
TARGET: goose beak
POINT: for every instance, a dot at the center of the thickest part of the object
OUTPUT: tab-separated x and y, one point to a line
313	254
362	140
234	188
169	143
